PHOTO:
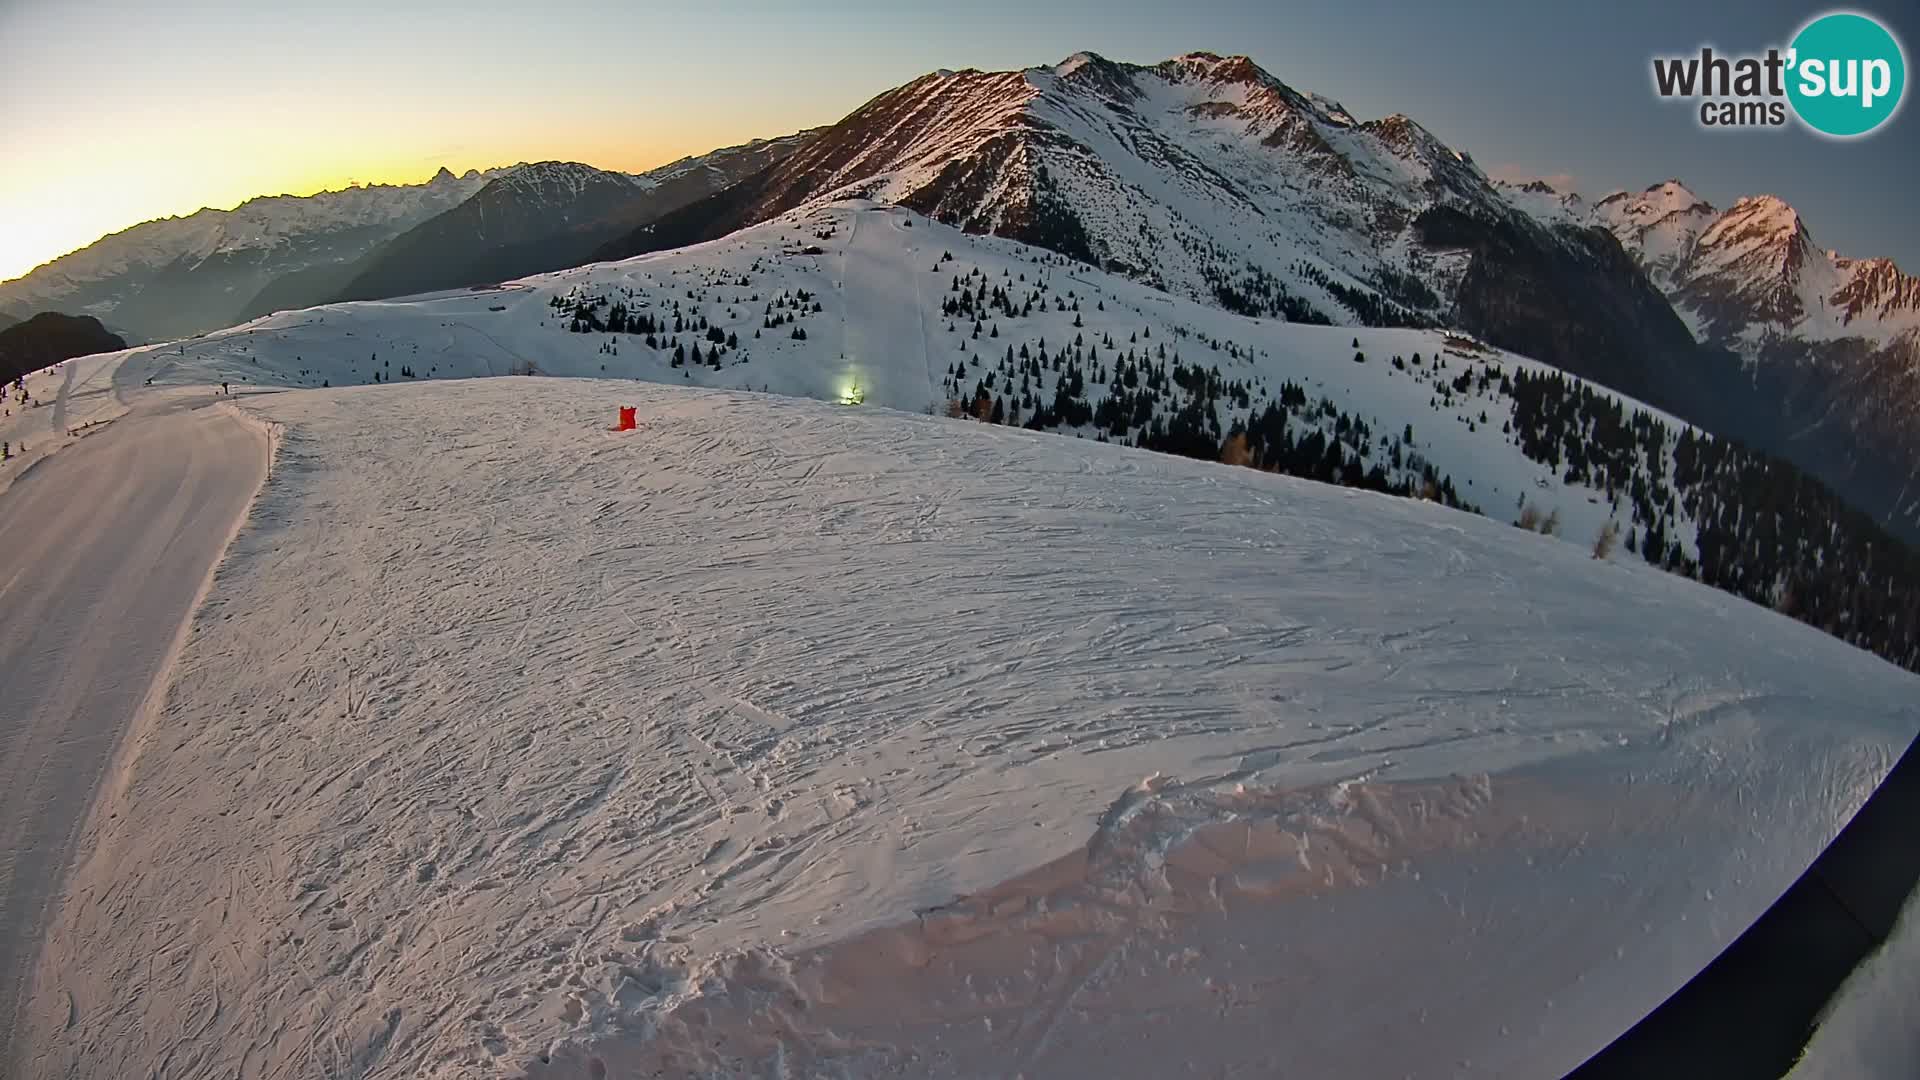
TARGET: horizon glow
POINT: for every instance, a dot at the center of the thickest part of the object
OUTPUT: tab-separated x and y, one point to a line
119	114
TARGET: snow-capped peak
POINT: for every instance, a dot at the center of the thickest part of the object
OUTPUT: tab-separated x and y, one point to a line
1671	194
1876	290
1072	63
1544	202
236	252
562	179
1658	225
1202	173
1757	233
1753	272
1768	212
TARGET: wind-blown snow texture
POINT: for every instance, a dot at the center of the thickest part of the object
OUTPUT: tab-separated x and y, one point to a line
505	742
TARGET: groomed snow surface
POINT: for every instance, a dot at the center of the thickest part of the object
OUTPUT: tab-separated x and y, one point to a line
778	738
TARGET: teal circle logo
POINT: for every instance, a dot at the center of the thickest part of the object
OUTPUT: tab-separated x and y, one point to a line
1846	74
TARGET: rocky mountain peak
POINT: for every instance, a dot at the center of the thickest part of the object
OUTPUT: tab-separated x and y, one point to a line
1877	288
1759	236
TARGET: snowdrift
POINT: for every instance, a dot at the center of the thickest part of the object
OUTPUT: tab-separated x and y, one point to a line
778	737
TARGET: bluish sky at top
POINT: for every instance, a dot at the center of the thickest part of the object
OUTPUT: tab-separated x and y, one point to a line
116	112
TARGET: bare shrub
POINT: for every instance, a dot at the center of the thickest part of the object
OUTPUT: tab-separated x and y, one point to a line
1235	451
1603	543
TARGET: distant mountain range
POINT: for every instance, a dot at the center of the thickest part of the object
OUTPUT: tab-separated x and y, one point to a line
1203	176
1810	353
186	275
183	276
531	219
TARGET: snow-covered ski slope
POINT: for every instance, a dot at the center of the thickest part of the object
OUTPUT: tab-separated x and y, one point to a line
779	738
882	279
69	400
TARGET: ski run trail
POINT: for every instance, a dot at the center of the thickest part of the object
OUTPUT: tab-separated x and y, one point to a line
65	403
108	547
781	738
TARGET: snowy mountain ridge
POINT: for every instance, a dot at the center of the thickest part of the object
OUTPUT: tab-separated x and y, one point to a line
183	275
1204	175
1809	353
729	163
1541	201
177	276
266	221
532	219
561	180
1745	275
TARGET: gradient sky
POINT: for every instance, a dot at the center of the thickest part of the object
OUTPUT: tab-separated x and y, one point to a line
118	112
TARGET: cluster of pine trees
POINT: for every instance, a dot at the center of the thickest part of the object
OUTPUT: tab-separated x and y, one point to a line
1257	293
626	313
1762	529
1157	401
1371	308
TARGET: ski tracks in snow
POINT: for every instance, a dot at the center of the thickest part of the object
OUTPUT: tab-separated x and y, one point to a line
499	726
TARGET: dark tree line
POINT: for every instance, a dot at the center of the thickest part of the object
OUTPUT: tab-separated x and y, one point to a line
1154	401
1763	530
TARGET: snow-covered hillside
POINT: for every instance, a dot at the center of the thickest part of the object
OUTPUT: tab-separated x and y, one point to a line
50	408
1824	350
1202	174
857	300
782	738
